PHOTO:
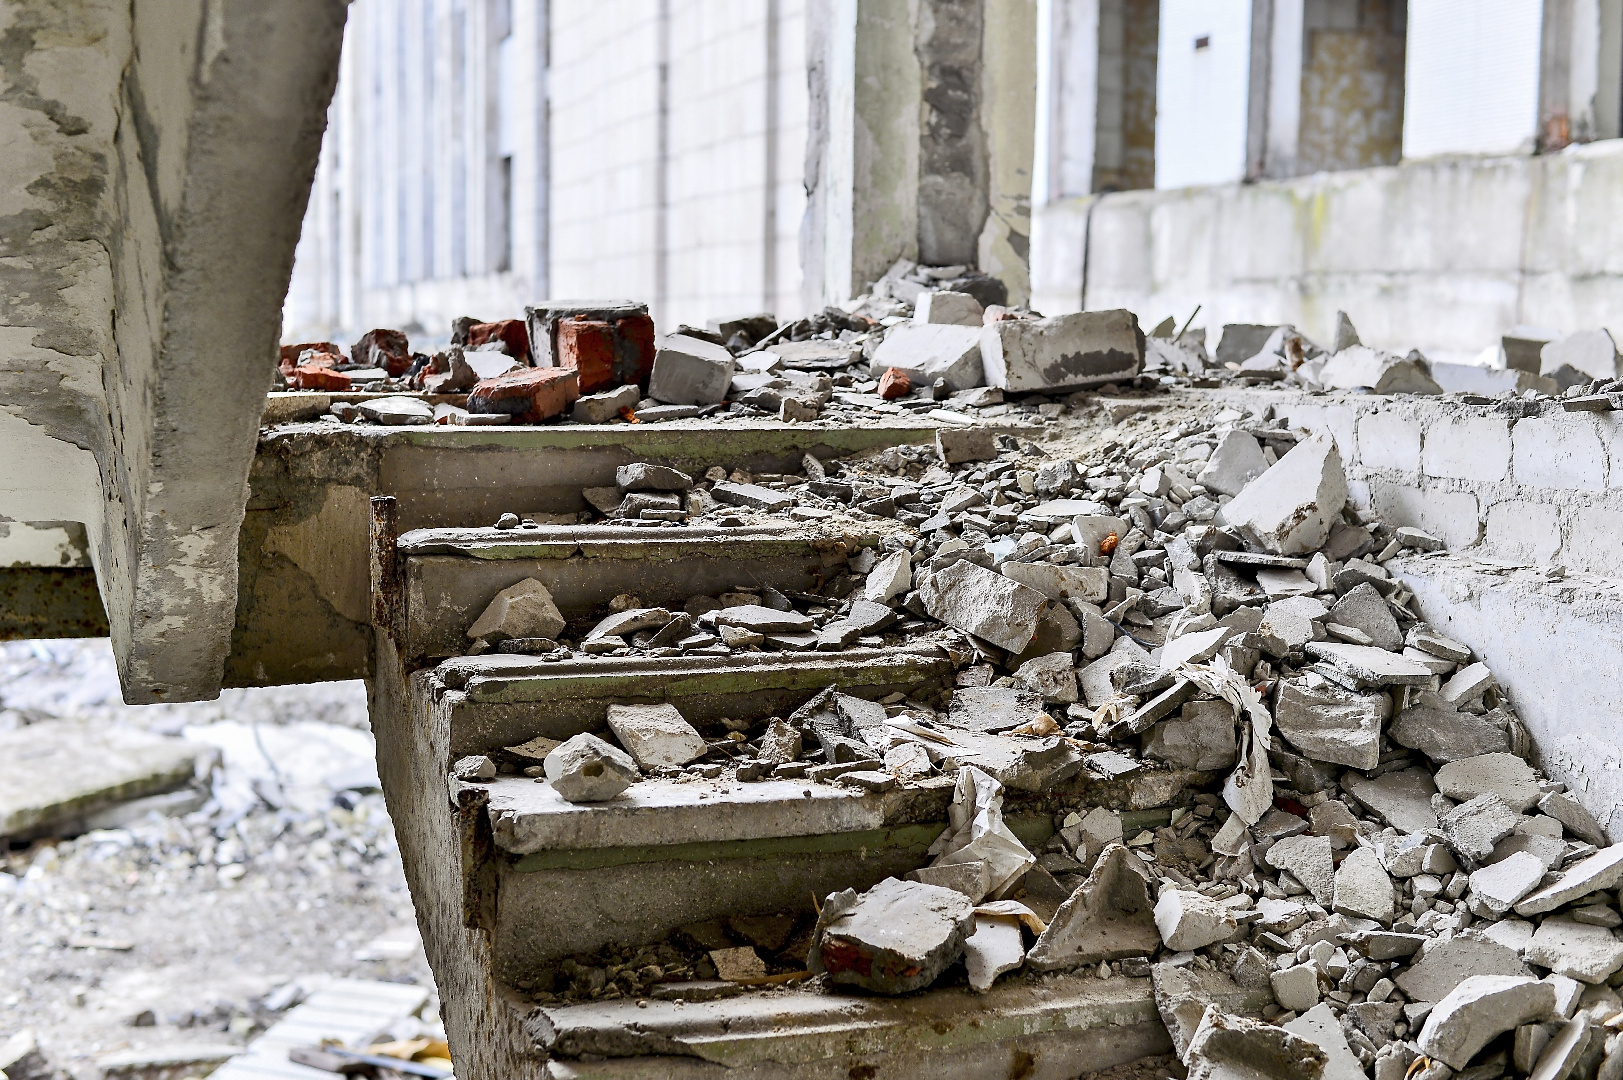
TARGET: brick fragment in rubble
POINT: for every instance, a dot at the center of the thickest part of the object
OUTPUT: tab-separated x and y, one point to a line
386	349
510	332
318	376
634	334
607	353
289	357
530	395
894	383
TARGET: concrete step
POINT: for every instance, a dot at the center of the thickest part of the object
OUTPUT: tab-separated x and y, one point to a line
302	606
451	575
1052	1028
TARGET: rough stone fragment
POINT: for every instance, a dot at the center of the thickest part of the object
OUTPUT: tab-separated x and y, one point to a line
944	306
897	937
1051	677
1602	870
1191	920
781	744
890	577
1574	949
1501	884
529	395
1183	993
1288	510
655	735
1467	686
738	965
1572	814
1400	799
1090	584
524	610
1310	860
1320	1027
690	371
1296	988
984	604
1096	831
387	349
628	622
397	411
1506	775
927	352
957	445
587	769
1328	723
994	946
1202	738
1196	647
1369	667
763	620
606	406
994	708
973	879
1363	889
1443	962
641	476
1480	1009
1227	1047
1474	827
1109	918
1235	462
1563	1055
1425	639
1382	372
1592	352
1364	608
752	496
1440	731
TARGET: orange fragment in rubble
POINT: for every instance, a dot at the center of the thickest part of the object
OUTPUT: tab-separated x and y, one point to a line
1108	544
628	416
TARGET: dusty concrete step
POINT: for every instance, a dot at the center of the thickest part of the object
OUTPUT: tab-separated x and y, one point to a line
494	701
451	575
303	608
1051	1028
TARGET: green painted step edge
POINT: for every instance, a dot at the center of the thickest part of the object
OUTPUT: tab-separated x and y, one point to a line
499	690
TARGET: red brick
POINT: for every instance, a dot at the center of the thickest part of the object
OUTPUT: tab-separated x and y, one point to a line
530	396
317	377
634	350
894	383
510	332
289	356
588	346
387	349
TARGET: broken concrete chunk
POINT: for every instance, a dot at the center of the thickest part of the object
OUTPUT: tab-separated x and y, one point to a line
896	937
644	477
1474	827
1506	775
984	604
995	945
1227	1047
943	307
1443	962
1428	640
1592	352
1319	1026
957	445
1193	648
1572	814
927	352
628	622
994	708
587	769
1467	686
1289	509
1382	372
1309	858
738	965
1363	889
1109	918
1480	1009
1090	584
690	371
655	735
1051	677
890	577
751	496
1064	352
1440	731
763	620
1190	920
1400	799
1296	988
1235	462
607	406
524	610
1579	951
1602	870
780	745
1364	608
1501	884
1328	723
1369	667
1201	738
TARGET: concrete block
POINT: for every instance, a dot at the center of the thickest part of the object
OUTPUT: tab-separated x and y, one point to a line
1467	448
605	407
1108	918
1235	462
1389	440
1478	1010
942	307
895	938
688	371
985	604
1594	541
1520	529
587	769
927	352
1487	381
957	445
1560	451
1576	950
1592	352
1290	508
1452	516
1065	352
656	735
1190	920
1382	372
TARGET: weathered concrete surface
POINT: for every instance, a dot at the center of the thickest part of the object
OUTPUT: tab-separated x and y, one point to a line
1444	254
159	156
60	771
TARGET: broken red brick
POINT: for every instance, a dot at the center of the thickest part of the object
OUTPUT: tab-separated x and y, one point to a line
386	349
530	395
510	332
317	377
894	383
289	356
634	349
588	346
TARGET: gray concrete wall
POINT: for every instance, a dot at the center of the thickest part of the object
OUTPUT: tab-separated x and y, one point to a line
1443	255
157	160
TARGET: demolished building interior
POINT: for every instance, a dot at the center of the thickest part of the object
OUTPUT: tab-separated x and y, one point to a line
924	685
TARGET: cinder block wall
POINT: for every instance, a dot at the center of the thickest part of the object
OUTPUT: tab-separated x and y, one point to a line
1541	491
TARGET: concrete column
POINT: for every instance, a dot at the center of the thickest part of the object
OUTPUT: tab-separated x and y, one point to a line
919	141
1581	51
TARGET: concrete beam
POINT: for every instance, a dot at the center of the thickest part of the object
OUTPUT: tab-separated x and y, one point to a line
158	159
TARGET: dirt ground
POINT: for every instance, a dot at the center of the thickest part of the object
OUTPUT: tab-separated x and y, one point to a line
177	929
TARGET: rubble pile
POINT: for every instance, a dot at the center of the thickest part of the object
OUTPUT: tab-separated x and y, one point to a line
1366	854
